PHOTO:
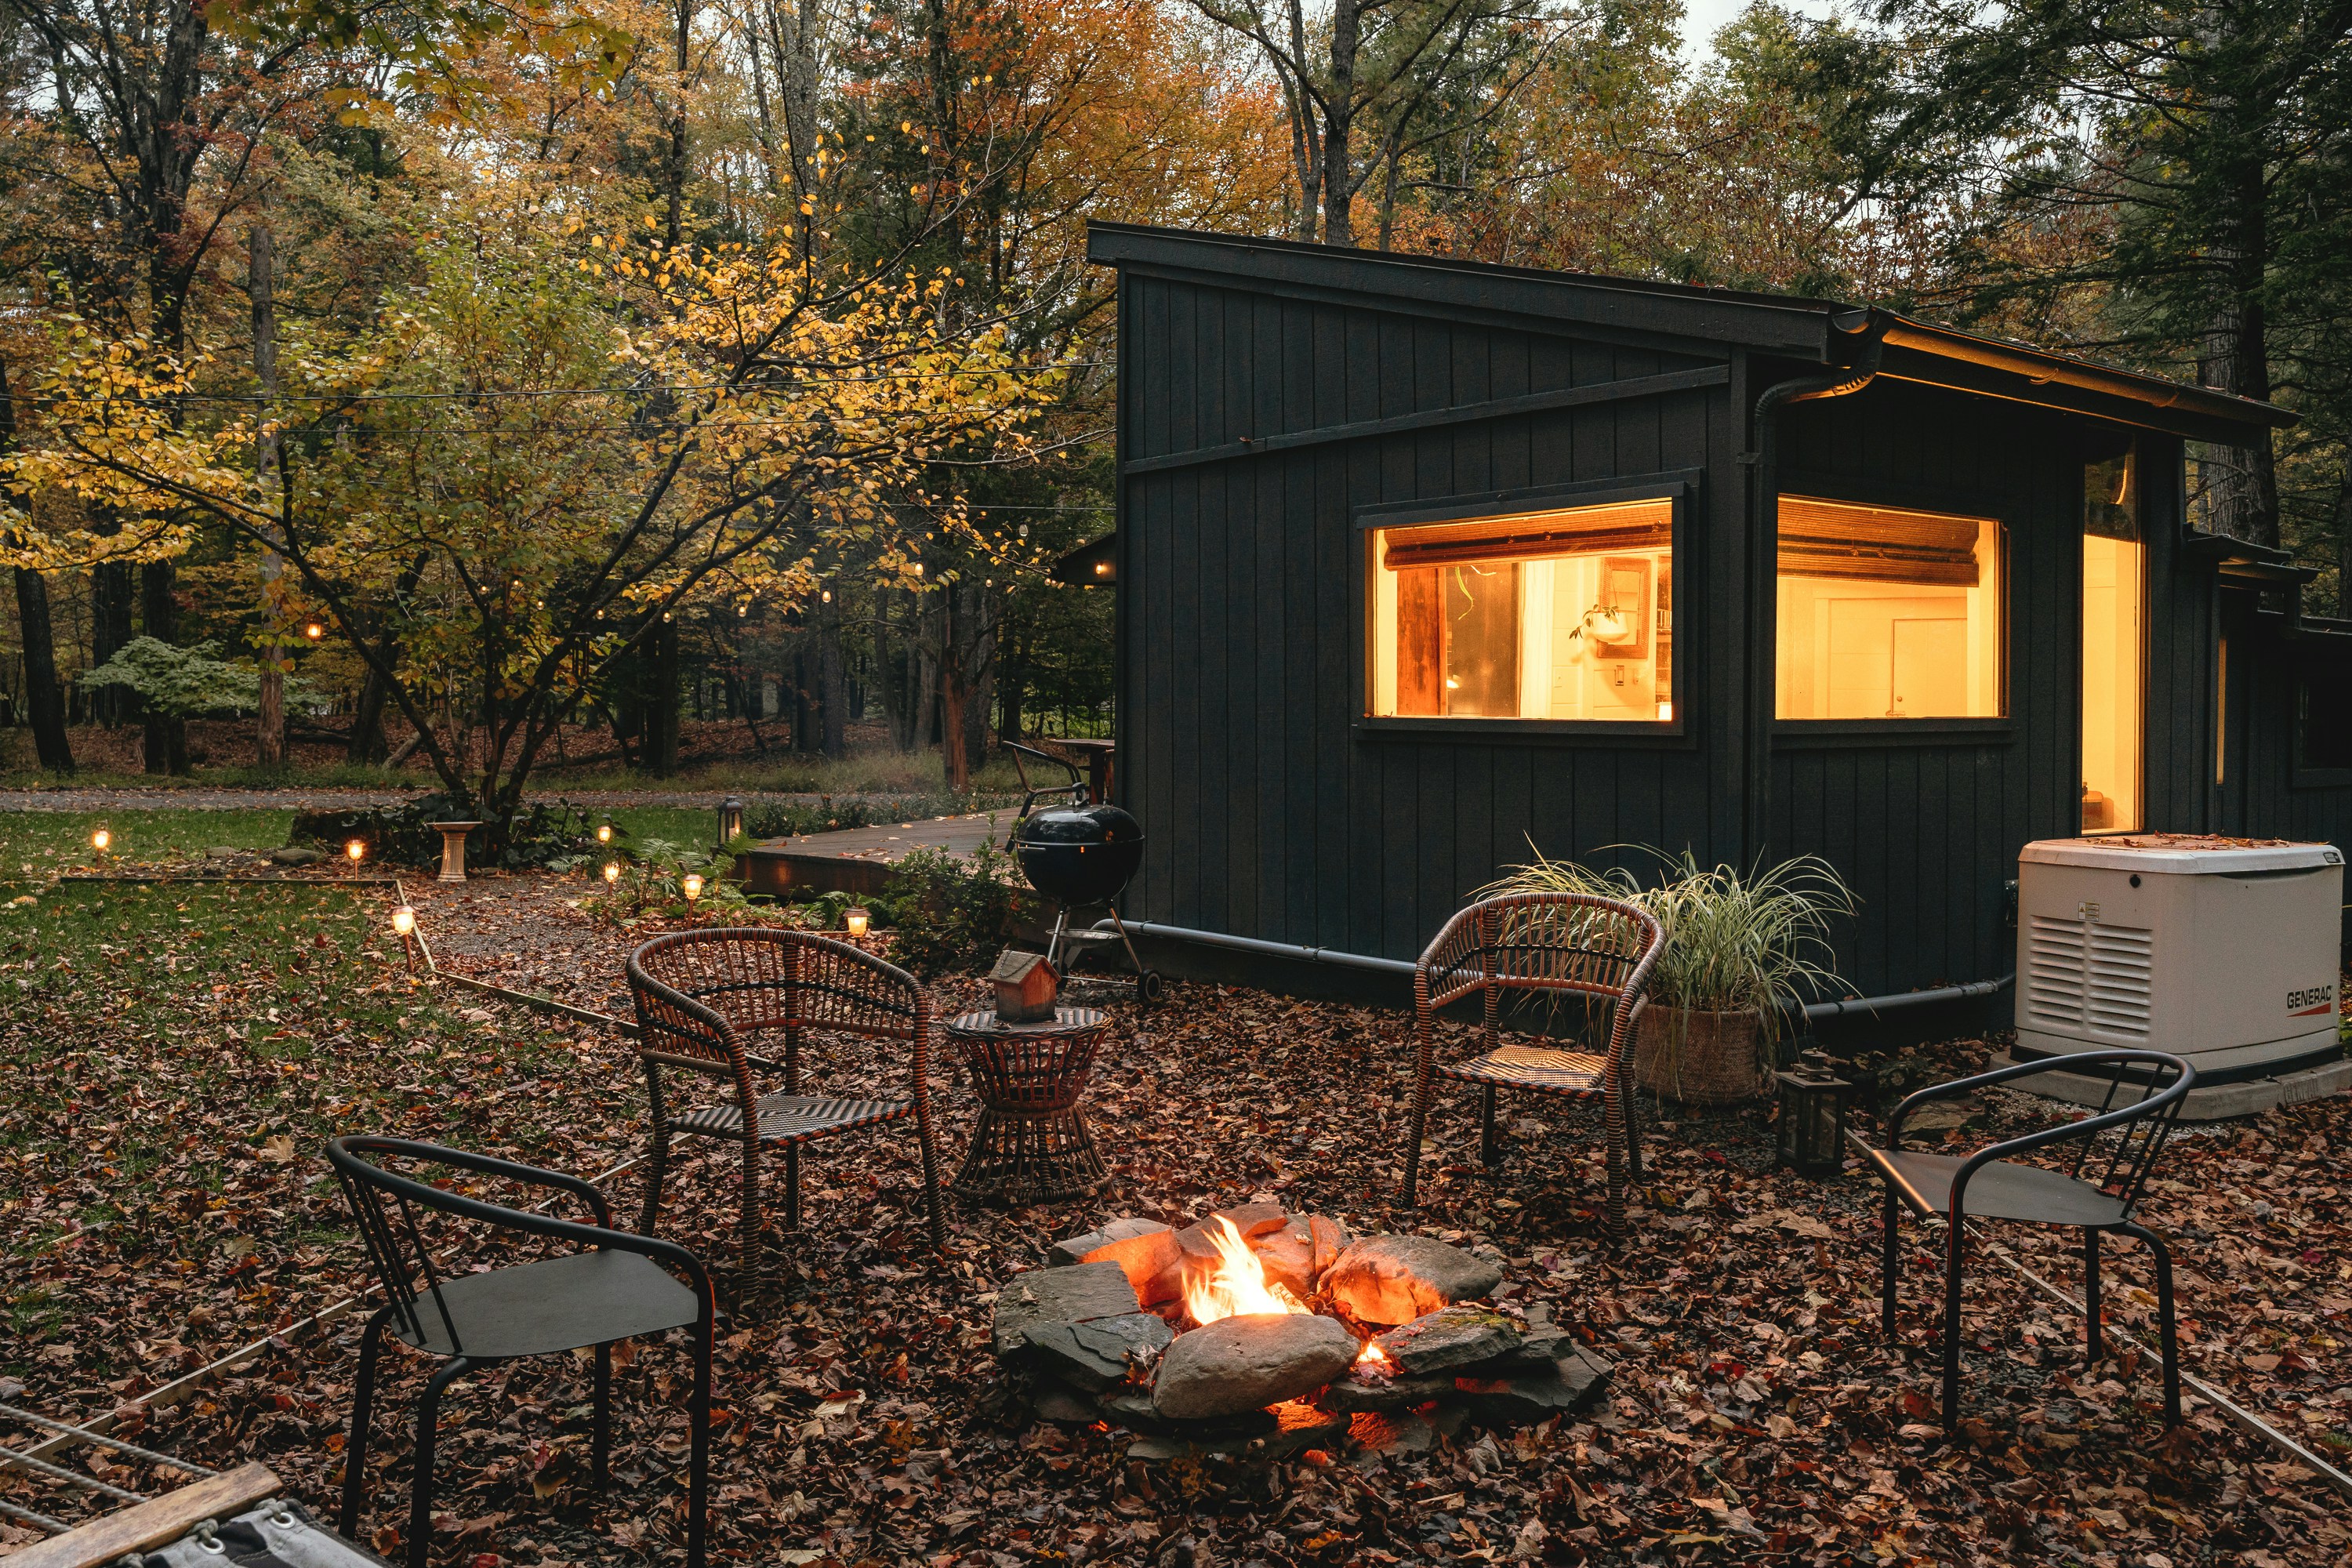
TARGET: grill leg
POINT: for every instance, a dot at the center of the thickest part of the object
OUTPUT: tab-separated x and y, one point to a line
355	1446
1489	1151
420	1485
2094	1346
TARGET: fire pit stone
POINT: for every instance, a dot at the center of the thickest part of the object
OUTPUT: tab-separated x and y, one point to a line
1527	1396
1250	1360
1075	1295
1356	1392
1145	1248
1396	1279
1093	1356
1459	1335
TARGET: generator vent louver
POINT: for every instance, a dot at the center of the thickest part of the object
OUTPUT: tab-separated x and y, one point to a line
2089	975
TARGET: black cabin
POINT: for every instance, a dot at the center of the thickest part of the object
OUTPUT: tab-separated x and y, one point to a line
1422	561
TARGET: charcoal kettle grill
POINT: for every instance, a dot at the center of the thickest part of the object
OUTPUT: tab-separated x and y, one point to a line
1080	853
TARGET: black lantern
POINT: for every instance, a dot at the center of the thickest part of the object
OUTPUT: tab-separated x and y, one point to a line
730	821
1812	1116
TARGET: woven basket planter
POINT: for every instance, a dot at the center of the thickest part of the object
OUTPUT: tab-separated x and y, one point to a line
1701	1058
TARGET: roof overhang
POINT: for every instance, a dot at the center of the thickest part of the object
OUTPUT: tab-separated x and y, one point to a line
1823	332
1093	565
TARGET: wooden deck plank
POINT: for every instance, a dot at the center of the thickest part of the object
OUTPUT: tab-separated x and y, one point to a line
145	1526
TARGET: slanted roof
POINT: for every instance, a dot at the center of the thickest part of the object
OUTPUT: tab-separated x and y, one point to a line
1823	332
1014	966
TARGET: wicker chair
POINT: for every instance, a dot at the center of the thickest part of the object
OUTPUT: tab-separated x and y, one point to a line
700	994
1564	945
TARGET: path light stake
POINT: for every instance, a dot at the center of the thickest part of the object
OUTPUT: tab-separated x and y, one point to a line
101	840
612	872
404	926
691	886
1811	1133
730	821
855	922
604	831
356	850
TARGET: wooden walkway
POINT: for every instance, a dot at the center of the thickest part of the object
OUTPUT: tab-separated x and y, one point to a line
859	859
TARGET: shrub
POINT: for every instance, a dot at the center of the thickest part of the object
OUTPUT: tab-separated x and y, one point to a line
950	914
550	834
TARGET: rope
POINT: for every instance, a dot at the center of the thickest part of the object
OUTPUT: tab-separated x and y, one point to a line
55	1527
58	1473
116	1443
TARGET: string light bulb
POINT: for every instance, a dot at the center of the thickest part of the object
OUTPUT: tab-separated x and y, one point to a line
314	631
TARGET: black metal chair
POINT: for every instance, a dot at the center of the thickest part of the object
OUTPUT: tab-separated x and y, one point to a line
620	1290
1985	1184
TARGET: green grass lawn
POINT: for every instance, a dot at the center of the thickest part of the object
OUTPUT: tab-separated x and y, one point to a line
40	844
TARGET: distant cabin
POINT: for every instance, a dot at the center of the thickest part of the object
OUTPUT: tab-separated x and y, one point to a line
1421	562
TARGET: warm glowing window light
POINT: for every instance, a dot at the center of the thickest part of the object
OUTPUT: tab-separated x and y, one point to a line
2114	643
1566	613
1888	613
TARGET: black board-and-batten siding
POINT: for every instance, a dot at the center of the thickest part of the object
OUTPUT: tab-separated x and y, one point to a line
1276	399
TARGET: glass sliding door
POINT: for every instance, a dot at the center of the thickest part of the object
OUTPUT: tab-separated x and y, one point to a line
2115	640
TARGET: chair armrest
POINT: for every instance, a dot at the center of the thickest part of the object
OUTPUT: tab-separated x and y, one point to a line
485	1164
2030	1069
504	1218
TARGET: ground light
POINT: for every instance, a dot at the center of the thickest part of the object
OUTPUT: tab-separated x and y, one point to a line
356	850
101	840
611	871
855	922
691	886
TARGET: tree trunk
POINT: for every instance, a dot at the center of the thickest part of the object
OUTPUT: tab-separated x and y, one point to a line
2242	482
794	31
1339	124
660	750
166	738
2344	535
367	743
270	726
42	694
109	631
833	696
43	698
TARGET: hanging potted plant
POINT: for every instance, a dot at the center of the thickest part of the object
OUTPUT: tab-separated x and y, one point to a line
1736	946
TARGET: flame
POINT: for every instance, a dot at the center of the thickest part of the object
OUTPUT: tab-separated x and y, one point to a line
1371	1358
1237	1285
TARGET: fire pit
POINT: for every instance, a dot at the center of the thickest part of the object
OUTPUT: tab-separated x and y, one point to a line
1262	1332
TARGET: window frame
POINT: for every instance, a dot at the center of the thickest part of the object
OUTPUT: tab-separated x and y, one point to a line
1806	734
1678	488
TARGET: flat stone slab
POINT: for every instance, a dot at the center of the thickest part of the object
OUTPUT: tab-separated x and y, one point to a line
1247	1361
1460	1335
1289	1427
1355	1393
1094	1354
1396	1279
1538	1393
1073	1295
1144	1248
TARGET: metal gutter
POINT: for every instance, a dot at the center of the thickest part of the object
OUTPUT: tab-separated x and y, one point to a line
2039	365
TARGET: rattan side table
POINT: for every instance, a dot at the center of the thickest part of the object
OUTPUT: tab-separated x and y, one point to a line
1031	1143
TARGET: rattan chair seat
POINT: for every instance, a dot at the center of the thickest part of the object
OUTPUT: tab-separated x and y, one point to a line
1540	1067
793	1118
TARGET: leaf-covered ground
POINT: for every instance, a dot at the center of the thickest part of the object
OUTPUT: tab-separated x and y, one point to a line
163	1202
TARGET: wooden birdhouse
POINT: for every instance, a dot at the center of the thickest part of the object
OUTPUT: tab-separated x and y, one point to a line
1025	985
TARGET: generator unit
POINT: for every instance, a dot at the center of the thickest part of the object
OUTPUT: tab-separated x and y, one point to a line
2225	952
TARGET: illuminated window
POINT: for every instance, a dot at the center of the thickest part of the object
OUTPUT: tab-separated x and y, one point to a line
1888	613
1552	614
2115	620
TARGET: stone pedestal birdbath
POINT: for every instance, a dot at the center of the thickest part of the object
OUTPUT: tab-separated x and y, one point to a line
453	848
